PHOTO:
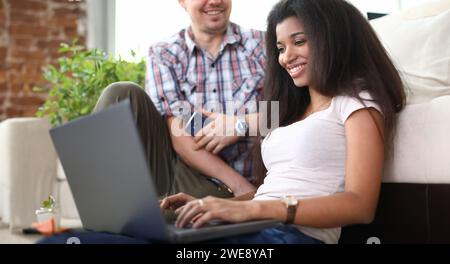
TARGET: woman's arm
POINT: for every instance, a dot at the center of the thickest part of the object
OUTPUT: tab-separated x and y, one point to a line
364	166
357	204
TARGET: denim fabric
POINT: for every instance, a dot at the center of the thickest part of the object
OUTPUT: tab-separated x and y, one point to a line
286	234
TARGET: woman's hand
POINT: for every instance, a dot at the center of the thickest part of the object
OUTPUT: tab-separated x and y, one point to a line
200	211
218	134
175	201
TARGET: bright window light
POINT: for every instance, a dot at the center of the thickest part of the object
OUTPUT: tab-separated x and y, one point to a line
139	23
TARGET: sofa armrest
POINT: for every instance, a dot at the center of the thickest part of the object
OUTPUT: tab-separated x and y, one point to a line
27	168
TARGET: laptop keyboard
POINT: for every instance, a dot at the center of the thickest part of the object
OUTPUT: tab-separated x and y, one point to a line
209	224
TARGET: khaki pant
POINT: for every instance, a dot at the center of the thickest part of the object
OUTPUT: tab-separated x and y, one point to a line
170	174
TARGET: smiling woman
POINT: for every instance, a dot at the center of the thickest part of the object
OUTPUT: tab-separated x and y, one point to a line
293	50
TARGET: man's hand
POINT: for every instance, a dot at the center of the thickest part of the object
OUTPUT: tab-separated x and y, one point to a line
207	163
218	134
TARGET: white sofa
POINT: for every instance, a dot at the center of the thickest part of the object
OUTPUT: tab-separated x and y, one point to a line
419	42
29	173
414	205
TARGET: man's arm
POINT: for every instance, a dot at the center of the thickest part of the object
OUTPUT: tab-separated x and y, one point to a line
206	162
221	133
244	197
164	91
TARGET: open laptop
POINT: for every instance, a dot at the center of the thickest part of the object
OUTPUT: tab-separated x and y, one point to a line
110	180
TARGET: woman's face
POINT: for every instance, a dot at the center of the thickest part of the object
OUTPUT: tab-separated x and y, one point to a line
293	50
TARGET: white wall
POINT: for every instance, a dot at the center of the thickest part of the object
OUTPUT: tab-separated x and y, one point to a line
384	6
140	23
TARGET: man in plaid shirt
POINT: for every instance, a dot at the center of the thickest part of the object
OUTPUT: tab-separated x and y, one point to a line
213	65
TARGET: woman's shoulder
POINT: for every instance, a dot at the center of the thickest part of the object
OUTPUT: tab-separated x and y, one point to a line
345	105
364	95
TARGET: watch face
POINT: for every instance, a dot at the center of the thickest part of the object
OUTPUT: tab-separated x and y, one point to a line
241	127
291	200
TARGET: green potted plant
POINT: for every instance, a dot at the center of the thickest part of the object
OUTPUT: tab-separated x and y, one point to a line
77	80
47	210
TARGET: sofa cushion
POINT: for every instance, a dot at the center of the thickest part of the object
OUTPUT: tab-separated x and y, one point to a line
27	168
418	40
60	174
67	204
421	148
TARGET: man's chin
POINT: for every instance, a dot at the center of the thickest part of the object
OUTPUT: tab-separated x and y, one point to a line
216	29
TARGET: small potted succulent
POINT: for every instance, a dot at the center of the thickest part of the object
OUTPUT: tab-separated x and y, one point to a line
47	211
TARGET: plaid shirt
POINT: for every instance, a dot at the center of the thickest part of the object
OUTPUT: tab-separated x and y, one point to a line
181	75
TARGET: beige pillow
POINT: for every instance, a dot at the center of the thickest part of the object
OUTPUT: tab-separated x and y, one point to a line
418	40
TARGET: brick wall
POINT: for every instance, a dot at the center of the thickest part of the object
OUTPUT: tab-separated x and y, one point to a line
30	33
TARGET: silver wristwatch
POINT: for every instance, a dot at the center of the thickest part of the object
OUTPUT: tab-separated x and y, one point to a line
241	126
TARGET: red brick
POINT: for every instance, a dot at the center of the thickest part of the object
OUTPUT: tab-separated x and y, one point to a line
42	44
26	30
53	44
82	39
3	87
61	1
33	69
71	32
17	52
26	100
3	52
38	55
38	63
24	77
28	86
16	87
63	11
2	17
75	3
30	111
16	67
64	21
22	42
55	33
2	76
13	112
28	54
36	29
54	55
22	17
28	5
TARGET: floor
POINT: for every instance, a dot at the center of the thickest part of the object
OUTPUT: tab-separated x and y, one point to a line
17	237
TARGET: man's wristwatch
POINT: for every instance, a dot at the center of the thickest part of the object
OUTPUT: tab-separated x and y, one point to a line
291	205
241	126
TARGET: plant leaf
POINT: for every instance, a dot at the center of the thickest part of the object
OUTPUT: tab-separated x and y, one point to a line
75	83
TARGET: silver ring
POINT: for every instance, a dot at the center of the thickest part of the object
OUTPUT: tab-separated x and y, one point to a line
201	203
